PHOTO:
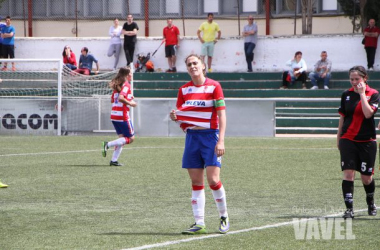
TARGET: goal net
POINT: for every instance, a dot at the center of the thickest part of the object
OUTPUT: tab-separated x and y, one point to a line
41	96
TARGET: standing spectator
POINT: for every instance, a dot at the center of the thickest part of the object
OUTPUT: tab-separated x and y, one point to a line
1	39
121	99
297	71
371	34
356	138
8	49
201	114
69	58
322	71
115	43
129	31
250	40
85	63
171	36
208	40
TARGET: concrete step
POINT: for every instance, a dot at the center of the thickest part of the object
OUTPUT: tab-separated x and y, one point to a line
318	122
309	130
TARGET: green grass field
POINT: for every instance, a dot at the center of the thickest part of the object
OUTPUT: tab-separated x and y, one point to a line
62	194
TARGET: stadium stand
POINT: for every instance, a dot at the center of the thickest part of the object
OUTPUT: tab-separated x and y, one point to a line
292	117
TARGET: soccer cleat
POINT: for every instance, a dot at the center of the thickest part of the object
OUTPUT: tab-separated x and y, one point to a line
2	185
326	87
209	70
104	148
195	229
174	70
4	68
115	163
314	87
13	68
372	210
224	225
348	214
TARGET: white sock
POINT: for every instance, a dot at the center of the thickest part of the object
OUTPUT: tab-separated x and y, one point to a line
220	201
116	153
198	202
118	142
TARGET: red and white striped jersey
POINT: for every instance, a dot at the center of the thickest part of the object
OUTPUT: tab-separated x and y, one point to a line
198	105
120	111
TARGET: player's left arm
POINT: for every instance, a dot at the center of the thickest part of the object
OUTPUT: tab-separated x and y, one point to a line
367	108
219	148
122	99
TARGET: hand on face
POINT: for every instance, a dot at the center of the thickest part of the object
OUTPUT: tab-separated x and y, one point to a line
360	87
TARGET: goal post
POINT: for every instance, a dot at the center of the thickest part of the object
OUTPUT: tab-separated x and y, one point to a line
30	96
44	97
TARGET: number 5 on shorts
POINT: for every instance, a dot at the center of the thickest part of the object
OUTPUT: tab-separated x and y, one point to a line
364	166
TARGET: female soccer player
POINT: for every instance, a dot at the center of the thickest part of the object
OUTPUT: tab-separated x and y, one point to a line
201	114
121	98
356	138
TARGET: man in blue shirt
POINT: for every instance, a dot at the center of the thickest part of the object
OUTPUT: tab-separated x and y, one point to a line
8	47
85	63
1	39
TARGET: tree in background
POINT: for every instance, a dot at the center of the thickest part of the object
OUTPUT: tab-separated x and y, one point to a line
360	11
307	7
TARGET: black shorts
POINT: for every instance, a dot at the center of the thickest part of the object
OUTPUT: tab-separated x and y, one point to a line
1	50
359	156
8	50
170	50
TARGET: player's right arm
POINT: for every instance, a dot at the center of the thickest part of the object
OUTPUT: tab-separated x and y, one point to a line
341	119
173	116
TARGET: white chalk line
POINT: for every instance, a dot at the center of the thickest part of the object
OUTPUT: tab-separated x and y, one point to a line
81	151
134	148
287	223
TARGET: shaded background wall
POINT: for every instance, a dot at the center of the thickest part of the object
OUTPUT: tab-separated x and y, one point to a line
271	52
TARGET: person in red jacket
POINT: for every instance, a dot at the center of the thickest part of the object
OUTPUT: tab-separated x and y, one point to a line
371	34
69	58
171	36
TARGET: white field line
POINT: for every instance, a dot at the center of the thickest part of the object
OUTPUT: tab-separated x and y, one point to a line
287	223
80	151
134	148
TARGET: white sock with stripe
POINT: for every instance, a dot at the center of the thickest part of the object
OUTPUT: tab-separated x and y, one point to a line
219	195
116	153
198	202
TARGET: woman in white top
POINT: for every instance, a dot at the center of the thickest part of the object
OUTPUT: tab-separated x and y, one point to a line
115	45
297	71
